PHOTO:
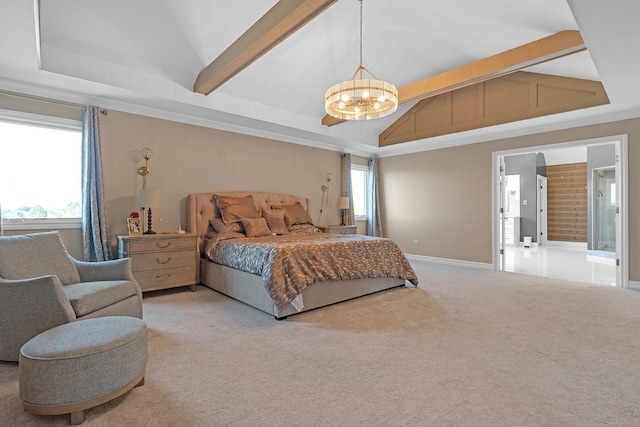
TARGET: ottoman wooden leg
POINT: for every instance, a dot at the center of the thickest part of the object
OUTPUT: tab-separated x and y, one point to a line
77	417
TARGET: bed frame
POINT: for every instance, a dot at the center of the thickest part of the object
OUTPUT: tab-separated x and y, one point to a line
249	288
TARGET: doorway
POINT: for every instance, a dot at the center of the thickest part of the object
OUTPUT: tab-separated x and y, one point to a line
608	212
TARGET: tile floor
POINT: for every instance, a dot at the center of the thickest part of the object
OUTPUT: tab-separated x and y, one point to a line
560	263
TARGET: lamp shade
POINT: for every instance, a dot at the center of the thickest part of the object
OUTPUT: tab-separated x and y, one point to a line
343	203
149	198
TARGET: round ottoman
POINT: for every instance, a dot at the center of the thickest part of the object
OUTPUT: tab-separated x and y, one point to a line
82	364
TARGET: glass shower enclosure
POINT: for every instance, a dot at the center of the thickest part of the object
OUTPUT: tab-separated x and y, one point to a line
604	209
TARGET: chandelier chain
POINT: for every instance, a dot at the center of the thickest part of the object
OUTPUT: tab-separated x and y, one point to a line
361	1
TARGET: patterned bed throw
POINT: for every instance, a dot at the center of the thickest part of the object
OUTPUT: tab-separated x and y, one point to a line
288	264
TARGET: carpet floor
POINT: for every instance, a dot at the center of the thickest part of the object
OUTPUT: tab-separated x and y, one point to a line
469	347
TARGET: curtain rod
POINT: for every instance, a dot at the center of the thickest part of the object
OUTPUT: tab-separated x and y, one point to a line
51	101
48	101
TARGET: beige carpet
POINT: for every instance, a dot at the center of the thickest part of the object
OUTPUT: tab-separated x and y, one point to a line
468	348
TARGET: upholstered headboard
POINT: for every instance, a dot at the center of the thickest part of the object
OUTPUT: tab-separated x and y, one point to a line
202	207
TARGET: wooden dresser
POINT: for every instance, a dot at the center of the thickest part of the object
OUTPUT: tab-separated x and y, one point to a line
161	261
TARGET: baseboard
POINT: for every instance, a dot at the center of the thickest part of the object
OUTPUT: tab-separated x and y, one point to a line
633	285
449	261
567	245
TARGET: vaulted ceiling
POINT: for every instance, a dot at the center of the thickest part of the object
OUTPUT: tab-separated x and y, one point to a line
144	56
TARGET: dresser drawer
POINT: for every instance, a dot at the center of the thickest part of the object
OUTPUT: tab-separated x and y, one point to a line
154	245
165	277
168	259
339	229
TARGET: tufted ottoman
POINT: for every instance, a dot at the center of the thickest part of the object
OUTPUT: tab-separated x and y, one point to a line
82	364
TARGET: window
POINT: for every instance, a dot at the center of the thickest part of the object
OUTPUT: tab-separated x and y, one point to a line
359	176
40	172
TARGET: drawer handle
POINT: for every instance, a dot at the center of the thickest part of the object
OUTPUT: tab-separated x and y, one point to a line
159	246
163	262
161	278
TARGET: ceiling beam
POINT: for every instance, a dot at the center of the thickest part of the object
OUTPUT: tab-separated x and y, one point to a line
282	20
539	51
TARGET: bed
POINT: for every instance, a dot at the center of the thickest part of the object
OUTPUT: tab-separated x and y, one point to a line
252	280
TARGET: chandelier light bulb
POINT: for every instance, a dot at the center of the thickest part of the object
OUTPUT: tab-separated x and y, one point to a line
376	105
345	97
341	105
365	94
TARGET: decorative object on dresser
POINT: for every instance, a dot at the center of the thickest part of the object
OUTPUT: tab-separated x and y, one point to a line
338	229
343	205
149	199
133	225
180	230
161	261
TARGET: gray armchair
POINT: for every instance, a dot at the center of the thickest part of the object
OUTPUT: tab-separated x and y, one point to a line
42	286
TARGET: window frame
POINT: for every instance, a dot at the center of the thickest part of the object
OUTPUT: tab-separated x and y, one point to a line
51	122
365	169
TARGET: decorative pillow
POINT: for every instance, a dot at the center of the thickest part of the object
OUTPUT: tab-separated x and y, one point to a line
255	227
294	214
303	229
275	220
32	255
233	208
219	226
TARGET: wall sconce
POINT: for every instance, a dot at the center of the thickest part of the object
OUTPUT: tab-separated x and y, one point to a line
149	199
144	170
325	189
328	177
343	205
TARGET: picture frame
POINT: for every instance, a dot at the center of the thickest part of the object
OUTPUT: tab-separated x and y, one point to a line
134	226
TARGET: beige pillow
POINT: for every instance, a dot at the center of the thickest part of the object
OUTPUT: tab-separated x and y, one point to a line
255	227
294	214
219	226
303	229
275	220
233	208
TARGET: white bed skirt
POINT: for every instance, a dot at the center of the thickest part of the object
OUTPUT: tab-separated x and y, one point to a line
249	288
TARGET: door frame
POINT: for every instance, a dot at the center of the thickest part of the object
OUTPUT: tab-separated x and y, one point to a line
622	178
541	203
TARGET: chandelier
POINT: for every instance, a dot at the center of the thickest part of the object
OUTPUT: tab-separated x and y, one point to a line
361	98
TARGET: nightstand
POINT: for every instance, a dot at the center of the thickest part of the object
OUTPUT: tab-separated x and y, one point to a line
161	261
338	229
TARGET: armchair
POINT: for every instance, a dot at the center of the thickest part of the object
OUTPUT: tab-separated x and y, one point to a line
42	286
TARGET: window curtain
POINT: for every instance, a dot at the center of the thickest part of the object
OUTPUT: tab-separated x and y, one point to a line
346	190
374	223
95	229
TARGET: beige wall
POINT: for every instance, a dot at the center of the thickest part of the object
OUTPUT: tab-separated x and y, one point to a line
440	197
443	197
191	159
